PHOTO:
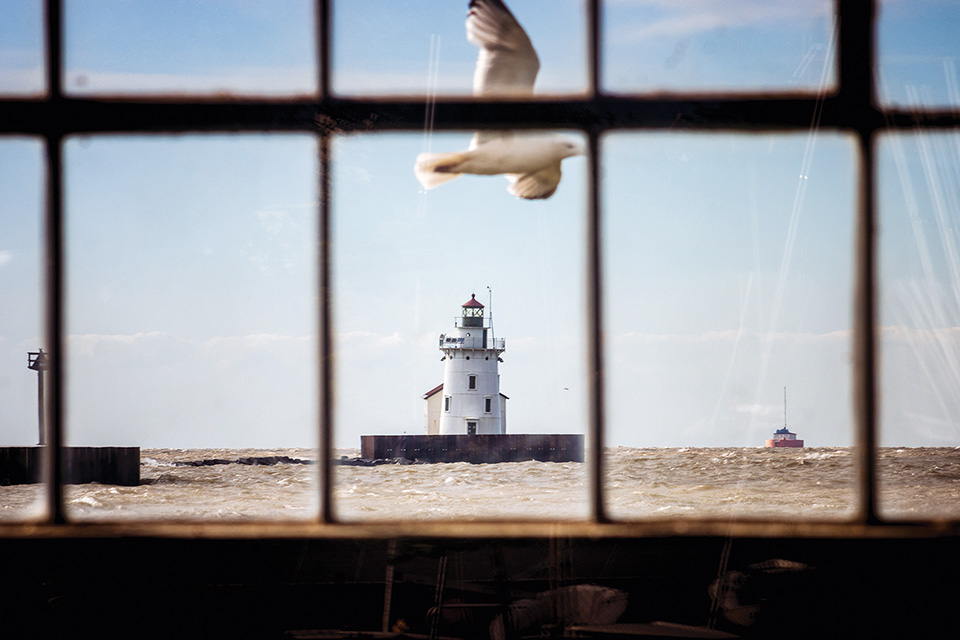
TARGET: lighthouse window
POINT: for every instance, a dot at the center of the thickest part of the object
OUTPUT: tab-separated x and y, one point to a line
446	403
471	382
487	405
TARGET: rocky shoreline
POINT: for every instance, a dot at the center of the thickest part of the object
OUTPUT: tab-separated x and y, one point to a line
272	460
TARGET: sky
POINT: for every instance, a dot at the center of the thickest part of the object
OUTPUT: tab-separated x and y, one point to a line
191	260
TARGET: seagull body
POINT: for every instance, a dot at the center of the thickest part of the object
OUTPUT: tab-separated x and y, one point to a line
507	65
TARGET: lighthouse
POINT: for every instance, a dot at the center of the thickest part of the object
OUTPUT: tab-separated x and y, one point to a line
471	402
465	417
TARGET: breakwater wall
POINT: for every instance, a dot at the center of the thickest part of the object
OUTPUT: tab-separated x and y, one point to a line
106	465
474	448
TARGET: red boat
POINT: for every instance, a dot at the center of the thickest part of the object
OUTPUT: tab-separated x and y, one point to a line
783	438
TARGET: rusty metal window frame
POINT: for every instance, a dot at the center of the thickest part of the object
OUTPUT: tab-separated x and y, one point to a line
851	108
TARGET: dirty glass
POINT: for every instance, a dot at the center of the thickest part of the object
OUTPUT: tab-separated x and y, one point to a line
704	45
21	48
22	375
214	48
420	47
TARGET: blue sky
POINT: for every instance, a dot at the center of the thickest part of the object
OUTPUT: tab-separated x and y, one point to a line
191	280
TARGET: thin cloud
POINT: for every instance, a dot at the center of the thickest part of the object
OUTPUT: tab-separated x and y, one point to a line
699	16
730	336
245	81
276	221
370	339
910	335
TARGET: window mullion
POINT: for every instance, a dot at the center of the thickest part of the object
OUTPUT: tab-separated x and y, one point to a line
324	338
856	93
322	16
595	370
54	272
864	345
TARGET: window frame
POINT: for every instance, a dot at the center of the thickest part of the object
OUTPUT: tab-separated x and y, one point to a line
850	108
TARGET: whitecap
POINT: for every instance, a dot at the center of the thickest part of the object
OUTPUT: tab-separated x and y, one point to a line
87	500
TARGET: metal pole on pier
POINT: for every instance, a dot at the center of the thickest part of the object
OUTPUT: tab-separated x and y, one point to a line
37	360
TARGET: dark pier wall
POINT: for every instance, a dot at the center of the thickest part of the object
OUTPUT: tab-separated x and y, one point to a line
475	448
106	465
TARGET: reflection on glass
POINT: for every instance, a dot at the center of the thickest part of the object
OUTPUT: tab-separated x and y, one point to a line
919	284
217	47
21	48
728	316
420	47
191	322
918	53
414	271
748	45
21	327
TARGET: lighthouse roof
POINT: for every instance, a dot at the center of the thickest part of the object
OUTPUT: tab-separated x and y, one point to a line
439	388
472	303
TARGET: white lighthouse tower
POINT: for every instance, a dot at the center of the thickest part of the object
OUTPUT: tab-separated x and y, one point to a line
471	402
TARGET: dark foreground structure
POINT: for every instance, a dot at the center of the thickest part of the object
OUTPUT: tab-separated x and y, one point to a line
106	465
474	448
455	588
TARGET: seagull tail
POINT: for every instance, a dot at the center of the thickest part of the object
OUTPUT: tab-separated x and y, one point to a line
433	169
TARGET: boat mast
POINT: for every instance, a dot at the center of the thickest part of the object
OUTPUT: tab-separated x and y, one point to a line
784	407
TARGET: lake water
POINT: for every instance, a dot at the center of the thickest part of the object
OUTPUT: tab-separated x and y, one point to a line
814	483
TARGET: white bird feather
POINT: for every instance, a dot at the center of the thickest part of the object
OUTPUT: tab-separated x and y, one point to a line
507	66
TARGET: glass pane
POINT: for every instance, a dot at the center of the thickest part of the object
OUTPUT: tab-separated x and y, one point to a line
919	53
728	318
705	45
919	283
21	327
215	47
21	48
383	47
191	322
419	276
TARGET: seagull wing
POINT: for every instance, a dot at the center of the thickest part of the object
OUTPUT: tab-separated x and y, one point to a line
507	64
535	186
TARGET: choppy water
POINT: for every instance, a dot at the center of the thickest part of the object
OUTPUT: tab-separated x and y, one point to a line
816	483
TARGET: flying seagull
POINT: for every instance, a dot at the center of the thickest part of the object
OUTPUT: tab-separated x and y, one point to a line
506	66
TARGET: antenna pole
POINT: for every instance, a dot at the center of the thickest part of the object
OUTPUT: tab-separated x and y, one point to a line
490	315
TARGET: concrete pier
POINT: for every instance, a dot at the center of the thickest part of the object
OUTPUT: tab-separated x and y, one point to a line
490	448
106	465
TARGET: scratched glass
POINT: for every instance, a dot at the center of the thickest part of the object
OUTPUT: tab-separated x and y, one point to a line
728	271
918	54
919	333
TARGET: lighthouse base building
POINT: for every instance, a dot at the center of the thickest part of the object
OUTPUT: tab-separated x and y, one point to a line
465	417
